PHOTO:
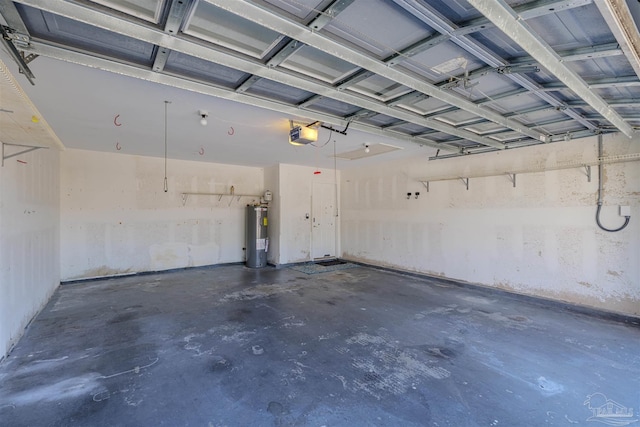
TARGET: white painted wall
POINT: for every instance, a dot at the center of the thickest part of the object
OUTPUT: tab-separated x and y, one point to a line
29	240
539	238
116	217
294	193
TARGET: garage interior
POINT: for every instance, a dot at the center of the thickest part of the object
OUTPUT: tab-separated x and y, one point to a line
468	169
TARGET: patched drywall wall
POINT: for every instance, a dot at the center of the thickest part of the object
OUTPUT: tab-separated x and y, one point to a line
117	219
539	238
29	239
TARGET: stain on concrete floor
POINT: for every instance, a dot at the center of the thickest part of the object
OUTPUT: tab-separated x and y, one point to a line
230	346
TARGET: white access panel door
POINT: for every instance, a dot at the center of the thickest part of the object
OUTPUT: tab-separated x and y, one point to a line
323	220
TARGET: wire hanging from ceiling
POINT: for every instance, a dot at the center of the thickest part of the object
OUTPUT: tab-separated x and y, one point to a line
325	143
166	184
335	175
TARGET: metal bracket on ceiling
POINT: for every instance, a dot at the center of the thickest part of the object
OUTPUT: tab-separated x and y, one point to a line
12	40
27	149
517	69
332	129
27	58
512	178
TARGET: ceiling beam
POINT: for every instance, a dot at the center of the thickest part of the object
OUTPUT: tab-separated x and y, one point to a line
147	33
416	48
529	10
335	8
618	17
12	17
618	103
606	83
440	23
623	81
267	18
247	83
143	73
515	28
177	12
580	54
407	98
317	23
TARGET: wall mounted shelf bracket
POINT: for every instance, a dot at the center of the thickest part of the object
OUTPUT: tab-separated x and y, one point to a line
512	178
465	181
185	196
26	149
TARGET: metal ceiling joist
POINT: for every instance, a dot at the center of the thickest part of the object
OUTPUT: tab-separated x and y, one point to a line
606	83
10	14
581	54
434	19
154	36
329	13
529	10
7	40
310	101
177	12
627	117
515	28
267	18
407	98
619	103
353	79
289	49
250	81
317	23
416	48
208	89
395	124
620	21
624	81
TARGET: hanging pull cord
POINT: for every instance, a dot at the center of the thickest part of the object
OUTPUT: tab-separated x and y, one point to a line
166	185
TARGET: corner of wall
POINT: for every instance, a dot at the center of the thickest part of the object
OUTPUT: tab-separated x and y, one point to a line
29	240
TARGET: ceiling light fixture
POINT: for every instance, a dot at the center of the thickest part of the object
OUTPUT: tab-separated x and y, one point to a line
203	115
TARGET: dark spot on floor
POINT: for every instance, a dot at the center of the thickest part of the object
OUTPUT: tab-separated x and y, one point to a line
220	364
439	352
239	315
372	376
125	317
276	409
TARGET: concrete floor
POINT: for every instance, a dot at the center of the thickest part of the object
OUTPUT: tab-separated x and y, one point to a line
230	346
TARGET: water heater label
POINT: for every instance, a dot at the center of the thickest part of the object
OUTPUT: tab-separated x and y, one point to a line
261	244
264	221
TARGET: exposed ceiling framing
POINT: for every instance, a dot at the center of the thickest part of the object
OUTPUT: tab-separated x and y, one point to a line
465	77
